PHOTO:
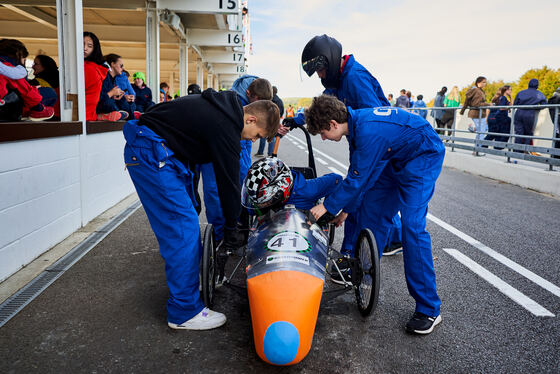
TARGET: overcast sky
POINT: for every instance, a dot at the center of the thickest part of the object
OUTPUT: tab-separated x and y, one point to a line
419	45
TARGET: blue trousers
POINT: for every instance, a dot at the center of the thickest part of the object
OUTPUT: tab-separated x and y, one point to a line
409	191
164	186
212	204
262	143
352	230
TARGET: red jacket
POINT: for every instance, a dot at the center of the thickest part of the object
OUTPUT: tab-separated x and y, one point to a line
94	75
28	93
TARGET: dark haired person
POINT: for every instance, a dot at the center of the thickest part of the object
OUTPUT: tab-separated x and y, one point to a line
395	160
114	102
162	148
476	97
143	93
420	104
193	89
95	72
35	105
498	119
343	77
437	114
525	119
45	71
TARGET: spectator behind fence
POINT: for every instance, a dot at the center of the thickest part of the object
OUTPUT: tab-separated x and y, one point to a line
262	142
402	101
475	97
391	99
290	111
18	98
438	103
94	73
525	119
555	99
452	100
498	119
113	105
47	80
420	104
410	99
143	93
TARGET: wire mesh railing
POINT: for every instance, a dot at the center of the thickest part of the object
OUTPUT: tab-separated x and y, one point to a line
461	132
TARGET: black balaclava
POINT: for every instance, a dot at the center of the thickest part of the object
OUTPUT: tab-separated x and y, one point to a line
331	50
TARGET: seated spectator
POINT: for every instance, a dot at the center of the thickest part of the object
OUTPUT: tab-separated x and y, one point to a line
410	99
143	93
46	78
420	104
164	88
94	73
123	81
33	105
113	104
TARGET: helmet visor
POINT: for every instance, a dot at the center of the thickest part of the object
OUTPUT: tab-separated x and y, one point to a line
314	64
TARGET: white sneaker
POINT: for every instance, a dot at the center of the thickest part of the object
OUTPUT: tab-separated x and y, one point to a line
205	320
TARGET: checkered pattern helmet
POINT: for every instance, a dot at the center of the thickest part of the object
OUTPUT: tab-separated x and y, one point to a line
269	182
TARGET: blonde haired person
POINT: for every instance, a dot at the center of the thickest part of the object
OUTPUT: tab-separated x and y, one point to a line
452	100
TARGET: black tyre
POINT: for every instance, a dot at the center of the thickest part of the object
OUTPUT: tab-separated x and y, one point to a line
367	290
208	271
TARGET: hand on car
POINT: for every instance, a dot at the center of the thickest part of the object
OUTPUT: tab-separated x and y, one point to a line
318	211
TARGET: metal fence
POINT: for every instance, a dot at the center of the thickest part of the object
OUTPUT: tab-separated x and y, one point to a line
463	137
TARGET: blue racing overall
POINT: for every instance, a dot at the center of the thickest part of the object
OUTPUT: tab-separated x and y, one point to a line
395	160
164	186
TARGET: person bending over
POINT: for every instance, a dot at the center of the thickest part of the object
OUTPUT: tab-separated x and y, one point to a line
395	160
162	148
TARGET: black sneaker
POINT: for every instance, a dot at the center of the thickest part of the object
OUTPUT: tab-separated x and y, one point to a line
422	324
393	249
344	267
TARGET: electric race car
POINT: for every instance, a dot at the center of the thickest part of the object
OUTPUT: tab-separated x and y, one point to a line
287	258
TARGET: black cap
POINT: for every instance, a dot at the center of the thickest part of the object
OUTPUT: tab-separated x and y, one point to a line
193	89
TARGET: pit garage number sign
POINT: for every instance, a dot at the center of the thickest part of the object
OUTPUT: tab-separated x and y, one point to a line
288	241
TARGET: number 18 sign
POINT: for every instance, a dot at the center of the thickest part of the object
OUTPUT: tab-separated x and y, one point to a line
288	241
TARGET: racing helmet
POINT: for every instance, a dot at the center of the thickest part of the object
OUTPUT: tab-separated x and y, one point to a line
323	52
268	184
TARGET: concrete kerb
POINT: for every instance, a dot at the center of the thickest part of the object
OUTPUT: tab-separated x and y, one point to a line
530	177
26	274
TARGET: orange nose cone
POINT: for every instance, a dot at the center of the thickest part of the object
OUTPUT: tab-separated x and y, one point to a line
284	307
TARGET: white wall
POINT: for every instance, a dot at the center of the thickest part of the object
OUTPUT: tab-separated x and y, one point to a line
41	202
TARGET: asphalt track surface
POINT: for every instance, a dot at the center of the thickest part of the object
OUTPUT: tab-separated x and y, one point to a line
496	252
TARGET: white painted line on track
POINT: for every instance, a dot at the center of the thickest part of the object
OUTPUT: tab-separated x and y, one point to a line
517	296
321	153
300	147
498	257
335	170
321	160
552	288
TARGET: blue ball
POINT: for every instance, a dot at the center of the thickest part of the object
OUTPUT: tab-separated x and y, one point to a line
281	343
